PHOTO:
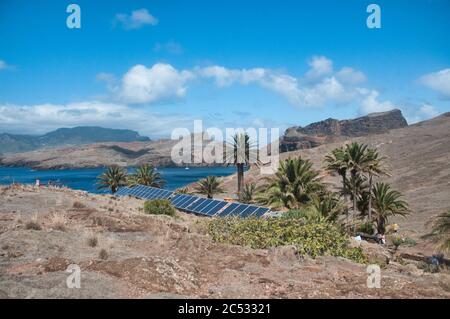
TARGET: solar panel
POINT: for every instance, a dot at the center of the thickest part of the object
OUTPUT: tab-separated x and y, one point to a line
194	204
166	194
216	208
209	206
149	193
133	191
184	200
176	199
157	194
187	202
140	190
228	210
238	211
198	208
250	210
121	191
260	212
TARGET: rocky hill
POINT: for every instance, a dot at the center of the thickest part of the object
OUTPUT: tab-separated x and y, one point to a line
331	130
157	152
14	143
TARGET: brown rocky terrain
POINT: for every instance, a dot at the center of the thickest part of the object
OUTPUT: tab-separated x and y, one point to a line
331	130
124	253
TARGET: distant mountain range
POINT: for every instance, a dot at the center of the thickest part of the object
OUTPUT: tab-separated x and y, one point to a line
332	130
15	143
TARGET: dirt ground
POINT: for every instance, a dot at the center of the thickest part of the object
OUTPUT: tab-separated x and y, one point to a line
123	253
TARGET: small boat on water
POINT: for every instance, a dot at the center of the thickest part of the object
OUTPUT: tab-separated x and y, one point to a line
186	167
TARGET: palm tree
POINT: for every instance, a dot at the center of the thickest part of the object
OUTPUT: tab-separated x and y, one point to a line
336	162
293	185
209	186
357	186
356	159
373	168
386	203
441	231
146	175
241	154
329	206
248	193
113	178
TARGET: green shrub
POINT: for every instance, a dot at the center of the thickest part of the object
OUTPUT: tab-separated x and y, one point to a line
308	214
159	207
397	241
313	238
366	228
409	242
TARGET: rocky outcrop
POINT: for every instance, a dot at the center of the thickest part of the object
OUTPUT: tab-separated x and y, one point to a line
331	130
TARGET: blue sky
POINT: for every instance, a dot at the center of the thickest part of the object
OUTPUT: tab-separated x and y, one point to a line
230	63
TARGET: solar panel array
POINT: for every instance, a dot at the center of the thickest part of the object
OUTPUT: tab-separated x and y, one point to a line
195	204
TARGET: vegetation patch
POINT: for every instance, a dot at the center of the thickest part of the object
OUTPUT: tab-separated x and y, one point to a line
159	207
313	238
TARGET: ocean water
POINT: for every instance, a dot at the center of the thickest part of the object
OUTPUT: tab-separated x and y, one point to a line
86	178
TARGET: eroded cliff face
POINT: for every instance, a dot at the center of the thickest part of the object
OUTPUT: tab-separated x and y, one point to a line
331	130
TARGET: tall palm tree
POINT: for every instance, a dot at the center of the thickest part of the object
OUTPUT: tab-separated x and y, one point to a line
373	168
336	162
441	231
146	175
356	185
113	178
386	203
356	159
293	185
240	152
209	186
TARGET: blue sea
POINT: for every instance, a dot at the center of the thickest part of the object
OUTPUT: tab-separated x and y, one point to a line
85	179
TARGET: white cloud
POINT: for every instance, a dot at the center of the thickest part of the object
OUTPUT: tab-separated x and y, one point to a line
424	112
350	76
319	66
222	76
160	82
438	81
371	104
136	20
42	118
287	86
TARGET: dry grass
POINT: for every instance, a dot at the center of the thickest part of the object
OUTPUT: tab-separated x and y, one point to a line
103	254
92	240
33	223
78	205
58	221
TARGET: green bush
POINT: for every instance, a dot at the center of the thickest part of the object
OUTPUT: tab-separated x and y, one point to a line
159	207
366	228
313	238
397	241
409	242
